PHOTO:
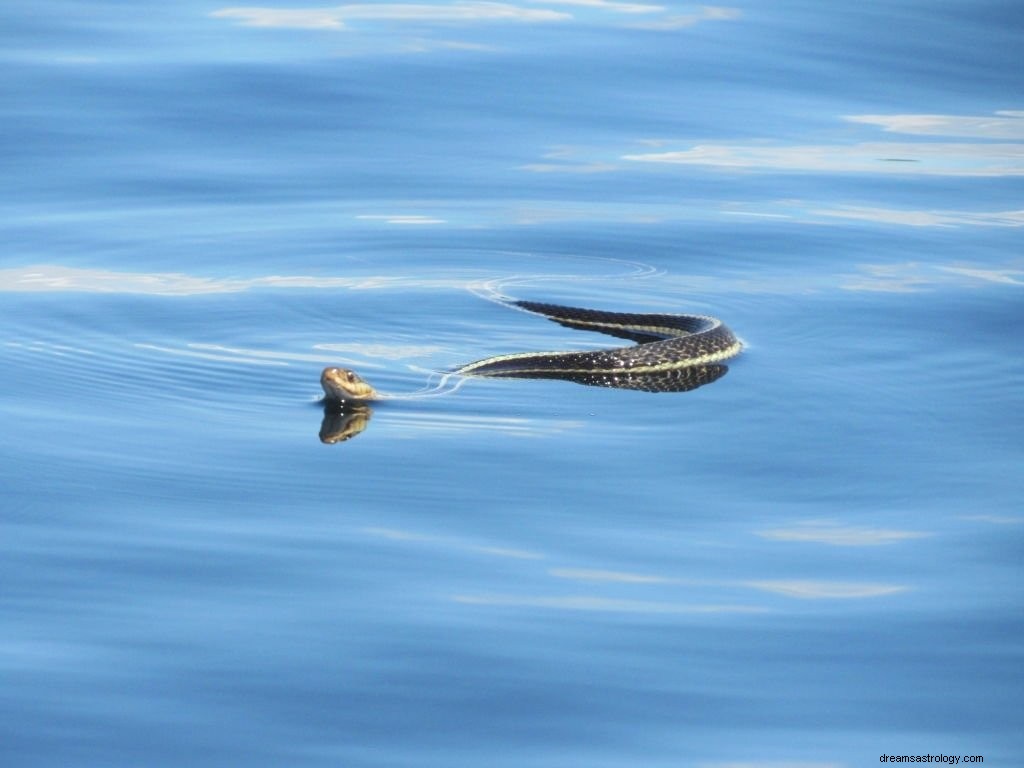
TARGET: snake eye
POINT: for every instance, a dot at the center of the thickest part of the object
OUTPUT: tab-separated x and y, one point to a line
350	376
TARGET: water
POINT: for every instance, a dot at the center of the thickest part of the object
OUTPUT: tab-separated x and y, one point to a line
812	561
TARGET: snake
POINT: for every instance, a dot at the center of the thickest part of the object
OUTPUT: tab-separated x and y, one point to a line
672	353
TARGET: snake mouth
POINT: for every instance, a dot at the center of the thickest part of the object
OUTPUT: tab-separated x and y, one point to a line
344	385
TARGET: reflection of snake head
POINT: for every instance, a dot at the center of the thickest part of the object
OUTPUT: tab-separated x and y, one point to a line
344	423
344	385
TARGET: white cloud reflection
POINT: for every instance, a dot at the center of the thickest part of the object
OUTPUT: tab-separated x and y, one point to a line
385	351
995	519
283	18
614	577
651	594
683	20
346	17
719	596
606	5
48	348
840	535
565	159
907	277
595	167
49	278
211	352
885	278
366	354
447	542
426	45
1005	124
809	589
602	604
417	423
916	218
403	219
931	158
1001	276
989	145
338	17
800	589
832	590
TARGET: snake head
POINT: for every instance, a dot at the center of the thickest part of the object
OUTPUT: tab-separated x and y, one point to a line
344	385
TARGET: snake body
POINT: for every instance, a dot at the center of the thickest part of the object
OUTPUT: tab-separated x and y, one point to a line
673	353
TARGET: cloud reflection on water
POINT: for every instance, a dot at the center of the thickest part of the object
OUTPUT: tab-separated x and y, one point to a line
447	542
350	17
50	278
980	157
341	16
1005	124
821	589
615	577
651	594
602	604
896	277
906	158
918	218
840	535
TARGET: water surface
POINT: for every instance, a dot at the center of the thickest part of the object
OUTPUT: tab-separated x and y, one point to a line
812	561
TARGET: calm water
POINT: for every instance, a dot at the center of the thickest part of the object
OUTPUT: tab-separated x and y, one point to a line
811	562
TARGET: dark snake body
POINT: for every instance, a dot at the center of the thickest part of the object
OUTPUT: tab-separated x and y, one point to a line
673	352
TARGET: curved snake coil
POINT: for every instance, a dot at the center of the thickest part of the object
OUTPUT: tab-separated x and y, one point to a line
673	353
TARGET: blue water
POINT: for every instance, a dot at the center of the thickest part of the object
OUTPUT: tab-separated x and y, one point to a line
813	561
